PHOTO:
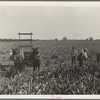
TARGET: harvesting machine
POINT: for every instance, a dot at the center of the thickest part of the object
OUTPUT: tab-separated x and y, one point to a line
24	55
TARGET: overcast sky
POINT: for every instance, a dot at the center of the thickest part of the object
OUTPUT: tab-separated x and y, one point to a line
50	22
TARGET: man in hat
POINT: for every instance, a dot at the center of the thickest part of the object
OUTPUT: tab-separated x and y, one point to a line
74	55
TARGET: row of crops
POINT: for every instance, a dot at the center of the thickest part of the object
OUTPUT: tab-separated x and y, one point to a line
56	75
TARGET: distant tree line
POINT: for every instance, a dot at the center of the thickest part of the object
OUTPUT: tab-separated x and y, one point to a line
90	39
63	39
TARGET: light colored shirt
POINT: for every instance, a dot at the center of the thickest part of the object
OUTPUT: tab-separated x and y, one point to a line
85	54
74	53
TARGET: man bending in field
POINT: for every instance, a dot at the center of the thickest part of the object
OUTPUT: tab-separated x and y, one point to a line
74	55
82	57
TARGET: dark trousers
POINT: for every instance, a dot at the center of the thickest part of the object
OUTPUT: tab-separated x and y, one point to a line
73	60
81	62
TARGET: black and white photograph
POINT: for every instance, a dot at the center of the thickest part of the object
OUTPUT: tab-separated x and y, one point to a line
49	48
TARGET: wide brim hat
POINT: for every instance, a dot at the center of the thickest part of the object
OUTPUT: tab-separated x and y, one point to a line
86	49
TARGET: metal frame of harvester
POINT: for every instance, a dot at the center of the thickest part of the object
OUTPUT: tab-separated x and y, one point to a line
24	46
12	61
21	34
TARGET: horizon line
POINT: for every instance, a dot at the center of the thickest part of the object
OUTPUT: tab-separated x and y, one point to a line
43	39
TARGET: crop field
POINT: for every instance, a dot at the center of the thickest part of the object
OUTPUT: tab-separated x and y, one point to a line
56	75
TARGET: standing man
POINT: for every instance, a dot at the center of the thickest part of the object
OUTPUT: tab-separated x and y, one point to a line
85	54
74	55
